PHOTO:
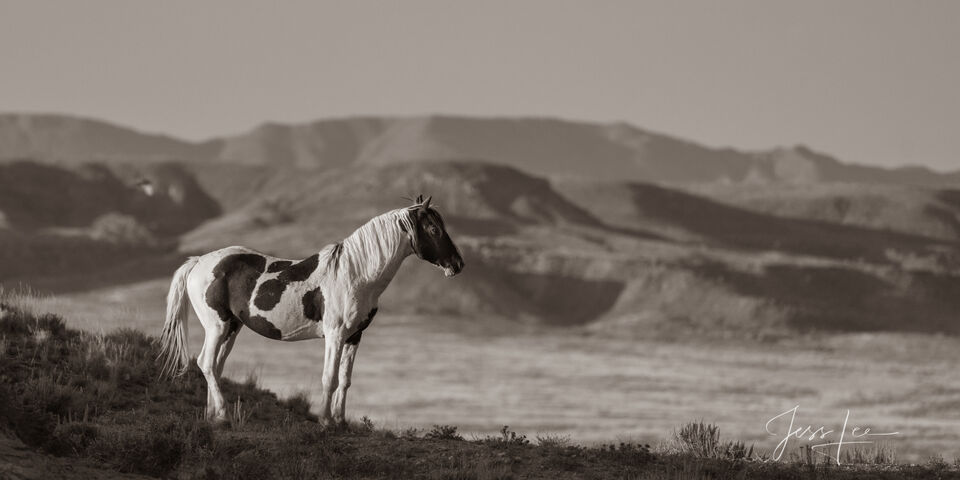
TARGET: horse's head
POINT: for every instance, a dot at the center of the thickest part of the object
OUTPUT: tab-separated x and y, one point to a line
429	238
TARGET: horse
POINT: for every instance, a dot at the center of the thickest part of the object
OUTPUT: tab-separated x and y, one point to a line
332	294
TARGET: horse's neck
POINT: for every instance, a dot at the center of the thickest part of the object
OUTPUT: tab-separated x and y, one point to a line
374	252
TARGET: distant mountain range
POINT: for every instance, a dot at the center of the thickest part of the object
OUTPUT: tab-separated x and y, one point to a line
541	146
604	227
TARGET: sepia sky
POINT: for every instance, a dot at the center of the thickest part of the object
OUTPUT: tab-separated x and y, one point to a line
871	81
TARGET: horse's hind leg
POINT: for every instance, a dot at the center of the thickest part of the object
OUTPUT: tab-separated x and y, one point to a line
215	331
214	335
209	392
233	329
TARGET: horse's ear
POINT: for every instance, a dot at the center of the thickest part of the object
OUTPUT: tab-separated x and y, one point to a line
426	203
419	199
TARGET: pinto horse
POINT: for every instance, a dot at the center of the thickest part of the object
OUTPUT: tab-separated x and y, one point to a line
331	294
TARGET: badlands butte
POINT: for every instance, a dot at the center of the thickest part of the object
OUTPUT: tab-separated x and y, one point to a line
603	227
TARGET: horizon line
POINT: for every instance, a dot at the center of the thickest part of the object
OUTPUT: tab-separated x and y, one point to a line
481	117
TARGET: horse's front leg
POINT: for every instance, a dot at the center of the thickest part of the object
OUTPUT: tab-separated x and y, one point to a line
346	371
333	348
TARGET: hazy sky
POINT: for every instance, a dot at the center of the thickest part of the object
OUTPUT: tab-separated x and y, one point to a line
868	81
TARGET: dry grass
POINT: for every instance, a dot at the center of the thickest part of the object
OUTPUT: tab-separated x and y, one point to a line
410	375
94	398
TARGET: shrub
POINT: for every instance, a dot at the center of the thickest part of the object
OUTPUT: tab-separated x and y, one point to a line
252	464
49	394
238	414
443	432
71	438
878	454
155	447
18	322
366	425
735	451
553	441
631	454
699	439
29	422
937	464
200	436
299	404
507	437
308	433
252	379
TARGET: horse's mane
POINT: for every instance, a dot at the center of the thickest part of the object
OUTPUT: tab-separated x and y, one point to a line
372	245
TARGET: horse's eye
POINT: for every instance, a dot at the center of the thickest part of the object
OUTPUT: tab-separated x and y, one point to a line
433	230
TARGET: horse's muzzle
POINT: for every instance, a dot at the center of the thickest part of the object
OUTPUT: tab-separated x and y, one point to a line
453	267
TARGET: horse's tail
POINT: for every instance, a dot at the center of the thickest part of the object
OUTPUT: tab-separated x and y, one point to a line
173	340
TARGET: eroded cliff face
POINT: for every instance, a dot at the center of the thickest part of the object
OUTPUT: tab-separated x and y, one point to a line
69	220
612	257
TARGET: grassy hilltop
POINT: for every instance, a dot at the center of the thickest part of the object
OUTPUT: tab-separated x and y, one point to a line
79	405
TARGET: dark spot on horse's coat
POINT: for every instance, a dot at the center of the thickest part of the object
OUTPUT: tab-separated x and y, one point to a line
313	305
270	291
278	265
263	327
234	279
302	269
355	338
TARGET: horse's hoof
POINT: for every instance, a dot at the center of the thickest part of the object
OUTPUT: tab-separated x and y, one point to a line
221	422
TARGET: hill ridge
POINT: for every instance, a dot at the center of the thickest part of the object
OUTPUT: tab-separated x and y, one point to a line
539	145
